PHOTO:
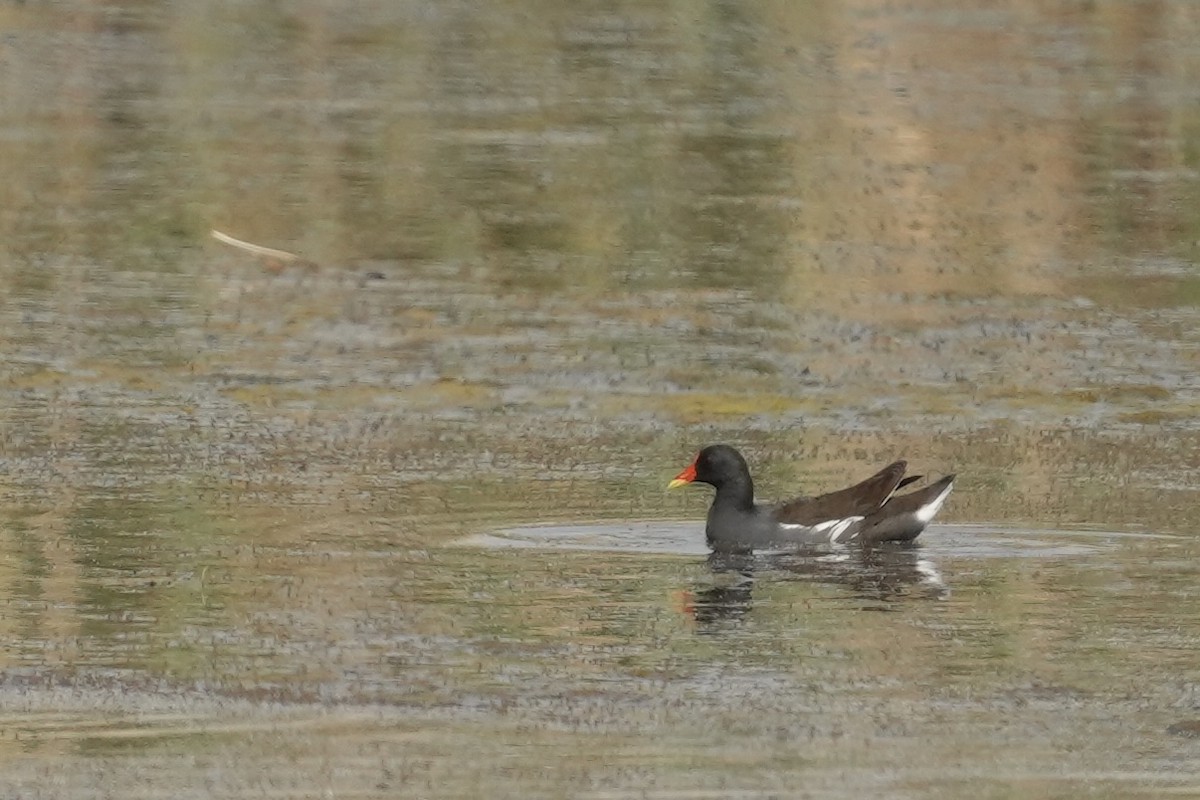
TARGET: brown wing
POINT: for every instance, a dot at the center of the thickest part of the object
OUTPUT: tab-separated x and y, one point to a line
858	500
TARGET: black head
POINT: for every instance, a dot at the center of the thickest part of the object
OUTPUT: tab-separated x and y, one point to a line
716	465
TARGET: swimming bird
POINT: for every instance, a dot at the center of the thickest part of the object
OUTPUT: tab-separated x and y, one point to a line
866	513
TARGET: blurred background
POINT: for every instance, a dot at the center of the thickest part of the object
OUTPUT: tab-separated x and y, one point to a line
545	252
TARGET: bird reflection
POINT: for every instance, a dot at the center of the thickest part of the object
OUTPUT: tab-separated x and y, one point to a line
883	575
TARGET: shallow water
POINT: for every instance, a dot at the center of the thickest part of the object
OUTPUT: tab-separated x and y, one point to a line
389	520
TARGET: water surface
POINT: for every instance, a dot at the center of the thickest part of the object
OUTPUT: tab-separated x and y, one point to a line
546	253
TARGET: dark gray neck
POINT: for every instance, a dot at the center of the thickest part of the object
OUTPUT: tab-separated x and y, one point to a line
737	493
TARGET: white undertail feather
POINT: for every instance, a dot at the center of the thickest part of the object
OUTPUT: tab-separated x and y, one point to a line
928	511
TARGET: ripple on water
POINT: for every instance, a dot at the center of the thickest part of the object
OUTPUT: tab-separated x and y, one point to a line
687	538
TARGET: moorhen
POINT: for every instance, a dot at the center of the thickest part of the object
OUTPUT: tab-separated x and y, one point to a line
865	513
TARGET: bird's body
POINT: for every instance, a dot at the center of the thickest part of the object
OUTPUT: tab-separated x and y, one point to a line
866	513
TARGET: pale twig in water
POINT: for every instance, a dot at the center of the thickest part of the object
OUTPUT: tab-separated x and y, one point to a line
274	260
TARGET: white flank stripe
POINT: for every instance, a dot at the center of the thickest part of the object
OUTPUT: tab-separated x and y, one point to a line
835	527
842	526
928	511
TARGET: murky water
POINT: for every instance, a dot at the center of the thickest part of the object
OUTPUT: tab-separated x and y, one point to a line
389	520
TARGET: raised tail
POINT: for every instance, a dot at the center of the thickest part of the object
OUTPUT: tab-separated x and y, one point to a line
902	518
